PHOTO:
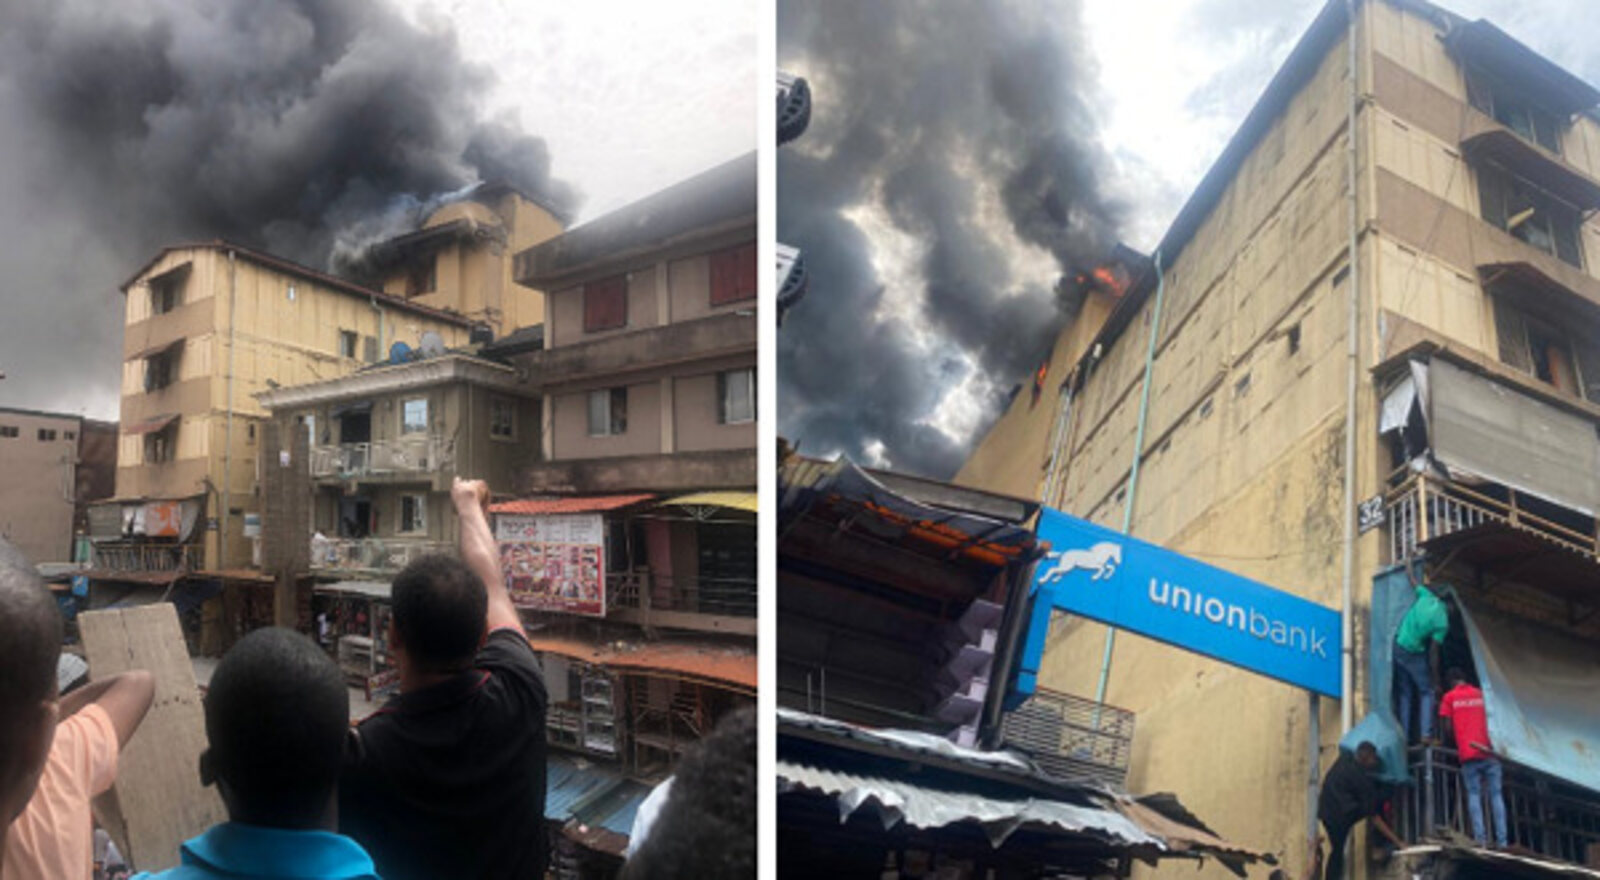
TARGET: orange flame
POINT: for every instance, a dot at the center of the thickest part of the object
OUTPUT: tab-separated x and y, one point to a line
1109	280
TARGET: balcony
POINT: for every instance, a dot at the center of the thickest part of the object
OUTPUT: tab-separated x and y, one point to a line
698	604
405	456
1544	816
375	555
146	558
720	335
1072	738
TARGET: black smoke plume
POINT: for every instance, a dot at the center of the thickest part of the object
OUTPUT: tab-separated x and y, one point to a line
300	127
934	112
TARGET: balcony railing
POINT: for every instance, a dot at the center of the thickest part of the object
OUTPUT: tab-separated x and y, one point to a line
1543	815
146	557
728	597
372	554
1424	507
1072	738
407	455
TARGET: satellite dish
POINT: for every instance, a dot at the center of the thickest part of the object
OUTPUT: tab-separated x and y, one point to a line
399	353
432	344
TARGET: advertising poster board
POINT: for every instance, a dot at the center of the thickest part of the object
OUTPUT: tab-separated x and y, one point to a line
554	563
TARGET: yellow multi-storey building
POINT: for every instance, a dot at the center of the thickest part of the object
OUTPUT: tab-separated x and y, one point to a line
209	325
1454	232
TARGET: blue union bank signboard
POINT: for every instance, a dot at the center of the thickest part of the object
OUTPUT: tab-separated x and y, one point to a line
1103	575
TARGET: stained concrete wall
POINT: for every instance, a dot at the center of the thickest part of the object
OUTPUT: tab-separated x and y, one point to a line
40	479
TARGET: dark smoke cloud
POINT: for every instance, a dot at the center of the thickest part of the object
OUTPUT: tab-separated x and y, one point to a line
298	126
923	108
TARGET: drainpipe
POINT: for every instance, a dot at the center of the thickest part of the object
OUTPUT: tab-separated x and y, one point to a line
227	434
373	301
1352	355
1133	476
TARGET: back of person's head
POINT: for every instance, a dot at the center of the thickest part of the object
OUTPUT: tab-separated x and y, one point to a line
30	646
1455	676
277	717
440	608
707	828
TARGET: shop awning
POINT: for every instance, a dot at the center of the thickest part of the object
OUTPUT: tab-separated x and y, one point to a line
370	589
1538	691
152	350
586	504
150	425
710	663
746	501
1483	428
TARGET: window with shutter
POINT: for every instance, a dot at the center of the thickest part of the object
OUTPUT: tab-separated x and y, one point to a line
1513	337
605	304
733	274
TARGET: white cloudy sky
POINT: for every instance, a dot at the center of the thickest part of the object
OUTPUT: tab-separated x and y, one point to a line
631	96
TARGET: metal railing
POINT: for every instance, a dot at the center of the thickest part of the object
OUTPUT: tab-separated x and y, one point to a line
414	454
1553	819
146	557
1071	737
372	554
732	597
1424	507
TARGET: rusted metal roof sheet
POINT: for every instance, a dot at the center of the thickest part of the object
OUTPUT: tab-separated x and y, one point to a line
584	504
713	663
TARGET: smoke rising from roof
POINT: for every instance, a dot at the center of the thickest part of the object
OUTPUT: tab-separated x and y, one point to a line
287	126
963	128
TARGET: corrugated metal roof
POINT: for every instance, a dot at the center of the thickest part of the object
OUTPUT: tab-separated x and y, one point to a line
914	741
583	504
374	589
898	800
736	666
1523	866
594	797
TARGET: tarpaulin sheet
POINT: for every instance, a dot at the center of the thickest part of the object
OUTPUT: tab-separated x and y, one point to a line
1392	595
1539	692
1490	430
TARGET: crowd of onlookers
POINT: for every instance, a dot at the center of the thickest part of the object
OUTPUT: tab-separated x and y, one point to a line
447	780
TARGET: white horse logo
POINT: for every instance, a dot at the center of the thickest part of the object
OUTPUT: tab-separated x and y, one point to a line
1102	559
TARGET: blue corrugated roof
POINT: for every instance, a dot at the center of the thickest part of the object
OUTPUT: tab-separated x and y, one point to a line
594	795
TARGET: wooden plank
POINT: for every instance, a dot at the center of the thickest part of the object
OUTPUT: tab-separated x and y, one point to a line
158	777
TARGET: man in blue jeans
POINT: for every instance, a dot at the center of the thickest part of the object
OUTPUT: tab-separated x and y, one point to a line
1416	662
1463	714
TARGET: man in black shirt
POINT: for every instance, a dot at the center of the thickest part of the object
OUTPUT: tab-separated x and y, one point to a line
448	778
1350	794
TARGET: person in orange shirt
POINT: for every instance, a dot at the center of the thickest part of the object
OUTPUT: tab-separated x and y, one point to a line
55	753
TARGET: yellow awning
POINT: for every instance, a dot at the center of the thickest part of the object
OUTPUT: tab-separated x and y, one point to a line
735	500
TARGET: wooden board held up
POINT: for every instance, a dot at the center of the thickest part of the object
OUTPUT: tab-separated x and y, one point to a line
158	777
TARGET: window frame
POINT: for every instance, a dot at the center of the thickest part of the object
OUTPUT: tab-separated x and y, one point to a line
47	435
732	274
349	342
164	443
10	432
602	315
405	423
725	416
1501	102
615	408
419	506
161	369
1501	196
508	407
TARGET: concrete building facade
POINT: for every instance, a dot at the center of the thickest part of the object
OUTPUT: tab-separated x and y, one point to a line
210	325
1469	246
38	499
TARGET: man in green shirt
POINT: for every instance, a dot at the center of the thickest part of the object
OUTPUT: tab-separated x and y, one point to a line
1416	661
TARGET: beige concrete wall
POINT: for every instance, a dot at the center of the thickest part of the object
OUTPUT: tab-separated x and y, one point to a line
696	409
1242	467
39	480
570	425
689	280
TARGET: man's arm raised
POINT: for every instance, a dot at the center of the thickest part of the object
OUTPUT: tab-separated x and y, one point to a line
479	552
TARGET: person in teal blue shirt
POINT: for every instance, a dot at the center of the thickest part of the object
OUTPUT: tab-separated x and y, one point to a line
277	716
1416	662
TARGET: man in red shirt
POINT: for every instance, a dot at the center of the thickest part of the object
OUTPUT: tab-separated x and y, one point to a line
1462	711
